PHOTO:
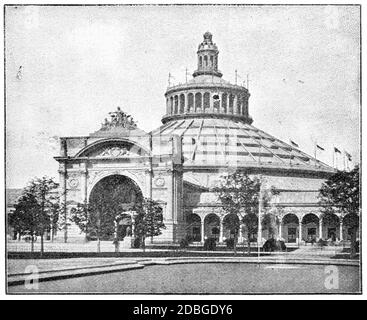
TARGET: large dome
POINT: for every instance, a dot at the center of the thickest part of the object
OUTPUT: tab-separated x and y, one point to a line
211	115
225	142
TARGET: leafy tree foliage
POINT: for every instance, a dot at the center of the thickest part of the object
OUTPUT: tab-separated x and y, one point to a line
341	193
37	210
149	220
239	195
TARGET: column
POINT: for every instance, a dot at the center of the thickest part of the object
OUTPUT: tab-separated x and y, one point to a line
320	229
240	235
221	231
186	104
84	182
300	231
280	230
341	229
62	181
202	231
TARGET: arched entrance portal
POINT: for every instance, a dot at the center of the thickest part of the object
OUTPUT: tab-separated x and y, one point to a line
111	201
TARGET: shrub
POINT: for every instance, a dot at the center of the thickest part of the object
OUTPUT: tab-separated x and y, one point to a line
136	242
322	243
210	244
229	243
184	243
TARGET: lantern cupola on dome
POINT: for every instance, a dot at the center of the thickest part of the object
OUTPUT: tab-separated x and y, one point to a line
207	57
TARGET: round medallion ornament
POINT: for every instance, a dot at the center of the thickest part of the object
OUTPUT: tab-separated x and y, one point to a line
73	183
159	182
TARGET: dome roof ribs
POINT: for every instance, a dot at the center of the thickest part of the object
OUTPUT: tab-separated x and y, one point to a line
187	128
170	124
223	149
243	146
197	140
289	147
262	145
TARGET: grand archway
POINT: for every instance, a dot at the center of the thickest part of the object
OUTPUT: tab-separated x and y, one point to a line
112	200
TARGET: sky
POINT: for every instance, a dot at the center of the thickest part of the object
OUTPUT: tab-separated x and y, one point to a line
67	67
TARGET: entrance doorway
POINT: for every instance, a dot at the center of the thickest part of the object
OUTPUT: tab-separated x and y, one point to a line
109	199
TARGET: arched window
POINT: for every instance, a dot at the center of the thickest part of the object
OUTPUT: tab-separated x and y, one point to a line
190	102
206	101
176	104
211	61
205	61
238	105
230	107
200	61
182	103
216	102
245	106
224	102
168	106
172	106
198	102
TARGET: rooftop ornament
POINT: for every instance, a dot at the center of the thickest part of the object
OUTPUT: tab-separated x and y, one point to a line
119	119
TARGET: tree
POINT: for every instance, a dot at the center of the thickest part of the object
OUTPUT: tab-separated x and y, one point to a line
149	220
25	216
81	216
240	195
37	211
341	193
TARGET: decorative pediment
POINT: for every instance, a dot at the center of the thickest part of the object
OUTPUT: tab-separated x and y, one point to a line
113	148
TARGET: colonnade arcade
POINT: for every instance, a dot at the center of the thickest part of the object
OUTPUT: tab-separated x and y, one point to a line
310	227
207	102
292	227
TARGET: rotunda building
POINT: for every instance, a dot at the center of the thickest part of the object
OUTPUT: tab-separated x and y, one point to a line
211	117
206	132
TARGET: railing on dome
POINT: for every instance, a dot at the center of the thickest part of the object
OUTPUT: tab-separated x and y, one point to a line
206	84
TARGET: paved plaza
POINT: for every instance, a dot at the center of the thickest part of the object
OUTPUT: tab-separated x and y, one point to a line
209	278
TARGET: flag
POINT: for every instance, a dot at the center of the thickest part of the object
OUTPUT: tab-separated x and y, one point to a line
193	141
349	156
336	150
294	144
320	148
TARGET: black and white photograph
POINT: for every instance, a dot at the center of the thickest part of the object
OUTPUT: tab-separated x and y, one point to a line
182	149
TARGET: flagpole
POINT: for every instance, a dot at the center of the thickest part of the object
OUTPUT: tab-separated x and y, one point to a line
315	153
